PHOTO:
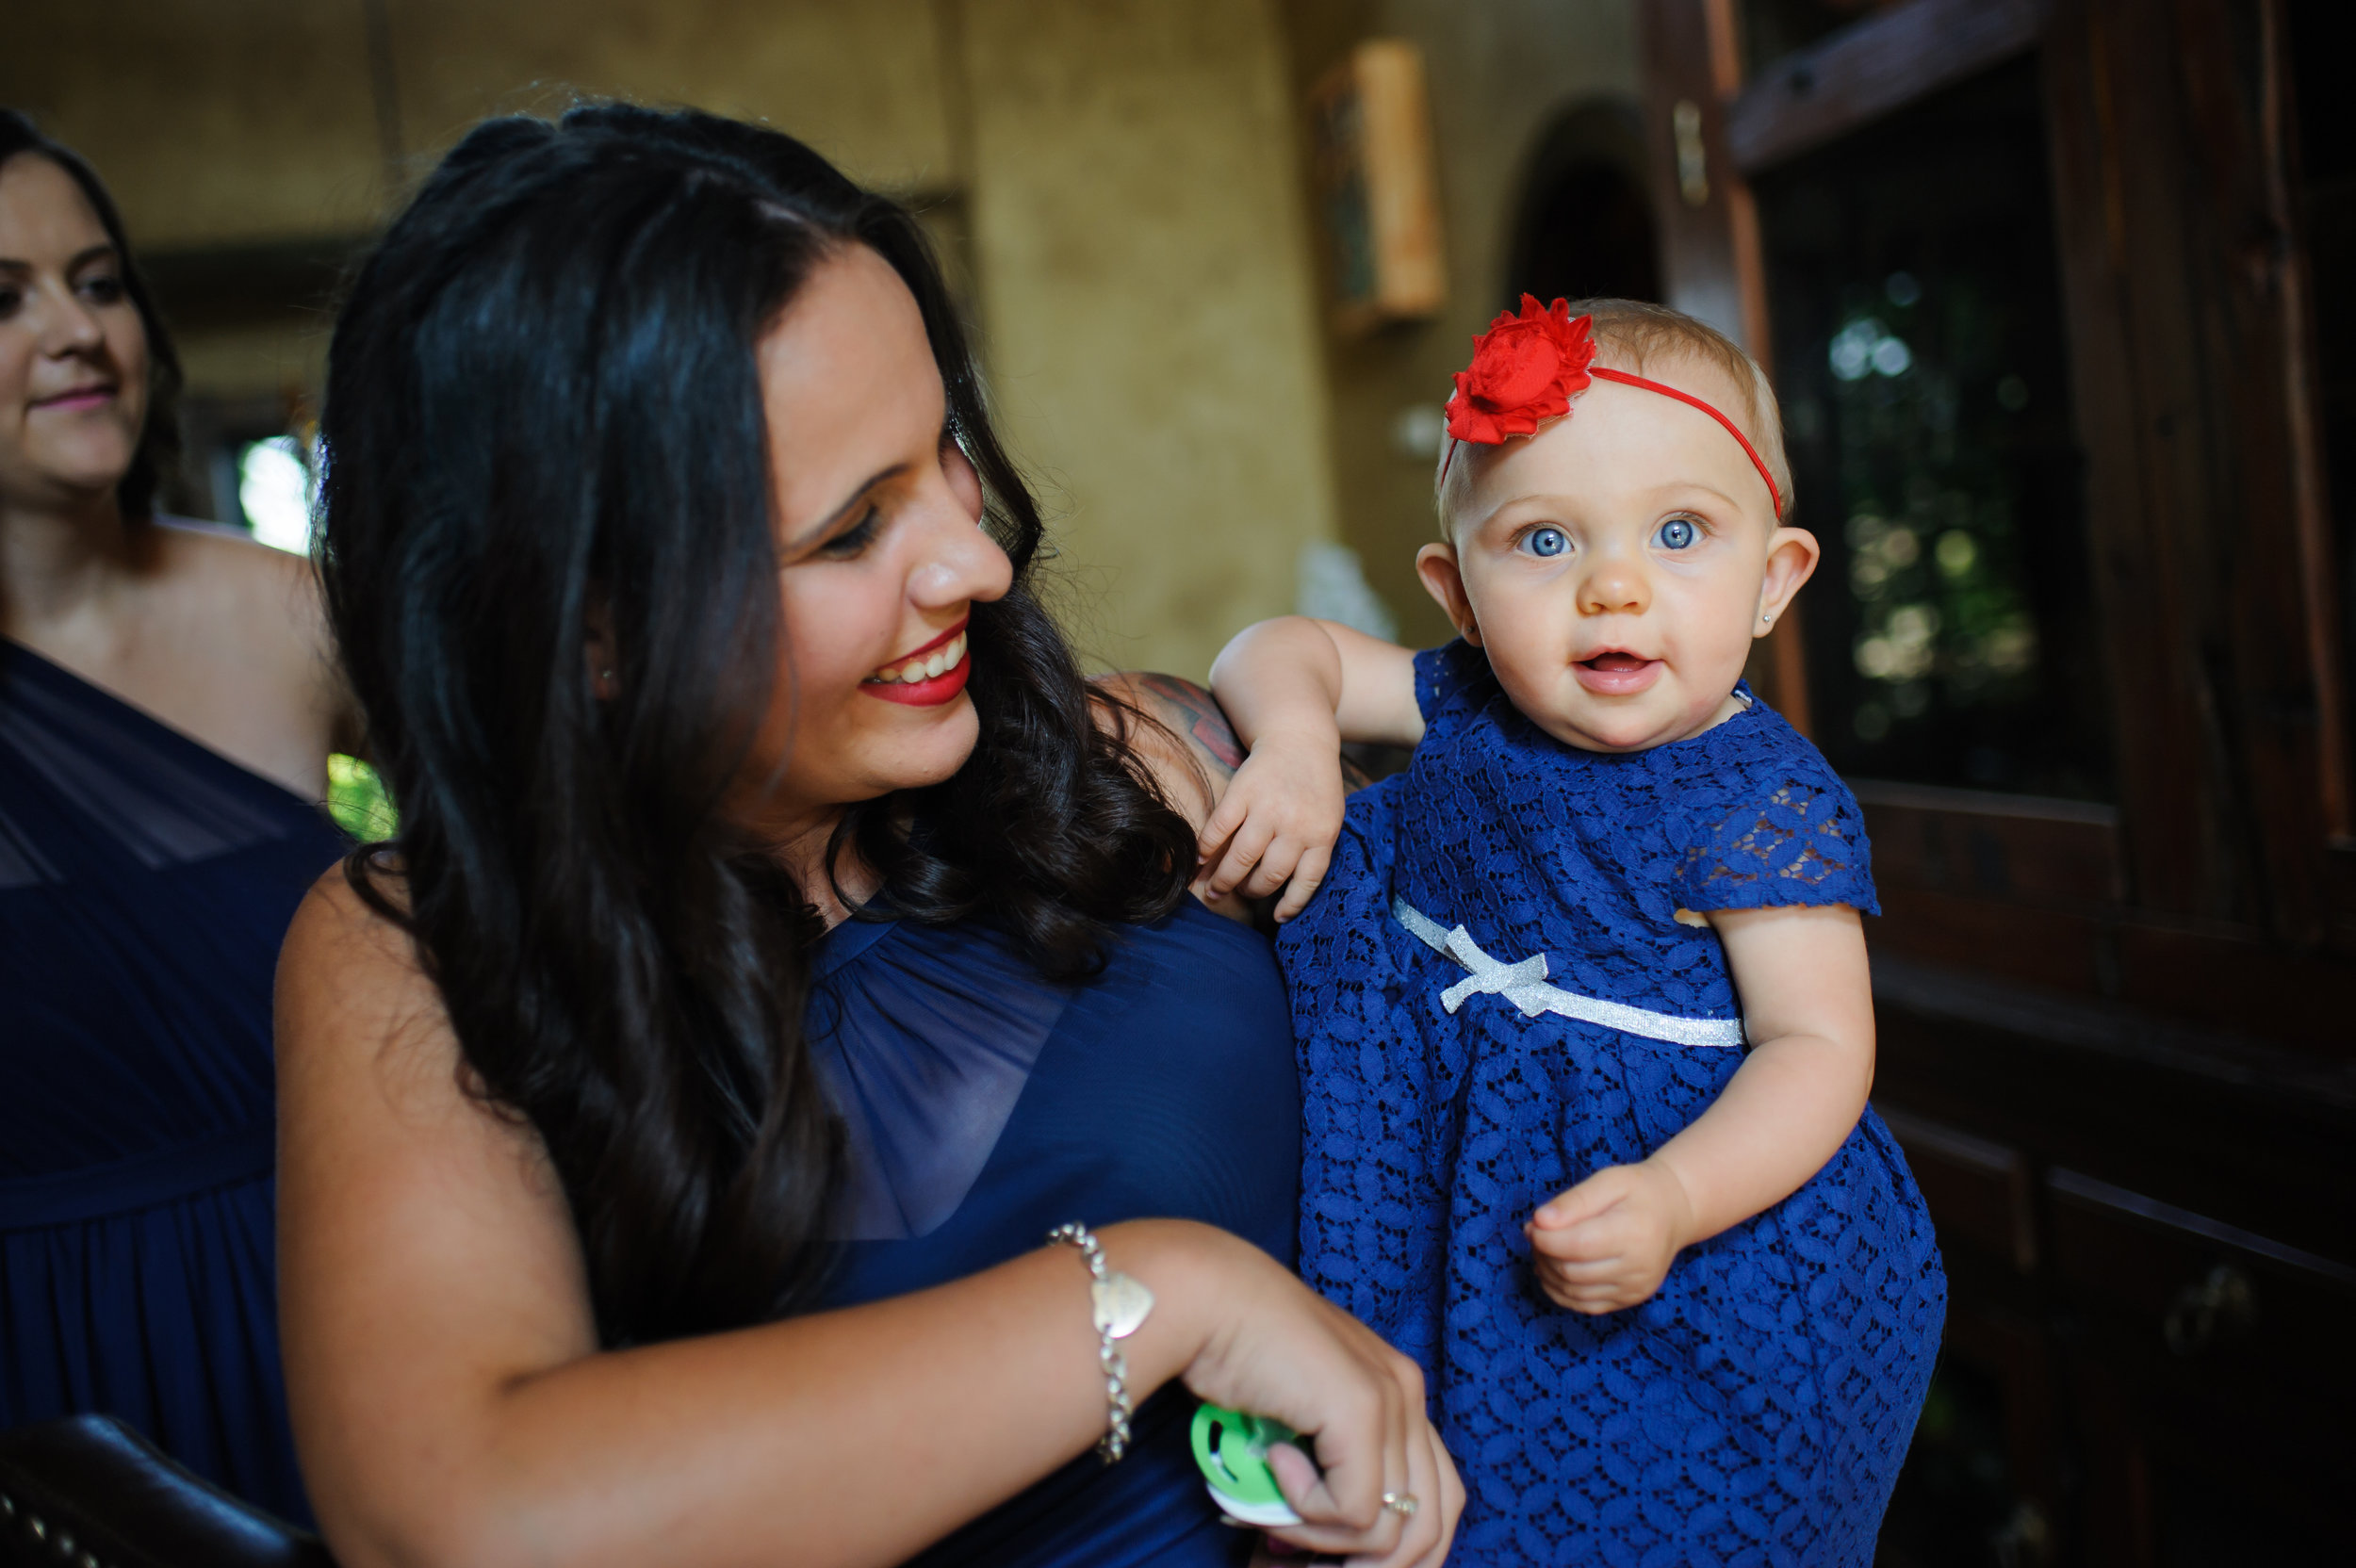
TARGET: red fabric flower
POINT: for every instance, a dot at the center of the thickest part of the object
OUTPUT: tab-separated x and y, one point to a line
1525	368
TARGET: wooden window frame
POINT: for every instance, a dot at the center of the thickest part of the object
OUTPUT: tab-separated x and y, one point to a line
2223	886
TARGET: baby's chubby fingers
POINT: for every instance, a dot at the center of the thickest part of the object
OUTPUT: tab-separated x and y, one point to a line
1277	863
1308	876
1577	1225
1244	850
1234	809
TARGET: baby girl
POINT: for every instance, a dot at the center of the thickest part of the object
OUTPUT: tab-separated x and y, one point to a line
1583	1013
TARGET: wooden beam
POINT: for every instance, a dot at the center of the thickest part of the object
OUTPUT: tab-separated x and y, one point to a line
1871	68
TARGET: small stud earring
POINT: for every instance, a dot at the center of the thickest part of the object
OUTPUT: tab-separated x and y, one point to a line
605	675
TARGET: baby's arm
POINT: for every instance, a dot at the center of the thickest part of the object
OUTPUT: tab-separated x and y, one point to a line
1296	689
1807	1003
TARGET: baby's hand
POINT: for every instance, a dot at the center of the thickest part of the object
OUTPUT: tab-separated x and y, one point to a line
1608	1243
1278	819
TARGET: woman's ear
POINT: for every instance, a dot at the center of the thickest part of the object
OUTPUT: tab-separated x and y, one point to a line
1792	557
1444	581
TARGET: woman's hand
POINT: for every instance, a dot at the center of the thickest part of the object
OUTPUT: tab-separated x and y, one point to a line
1608	1242
1276	826
1284	1351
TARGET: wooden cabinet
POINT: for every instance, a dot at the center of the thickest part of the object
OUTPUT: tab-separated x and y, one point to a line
2039	283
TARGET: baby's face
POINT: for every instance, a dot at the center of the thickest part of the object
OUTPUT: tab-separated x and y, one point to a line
1617	565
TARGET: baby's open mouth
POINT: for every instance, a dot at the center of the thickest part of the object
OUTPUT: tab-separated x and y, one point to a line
1615	663
1615	672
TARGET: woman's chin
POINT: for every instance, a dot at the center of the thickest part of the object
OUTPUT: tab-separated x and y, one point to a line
89	462
944	737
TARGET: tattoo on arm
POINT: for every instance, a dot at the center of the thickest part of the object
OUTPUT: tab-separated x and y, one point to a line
1193	715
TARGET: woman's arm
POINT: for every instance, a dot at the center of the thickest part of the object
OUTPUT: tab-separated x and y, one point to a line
452	1406
1807	1003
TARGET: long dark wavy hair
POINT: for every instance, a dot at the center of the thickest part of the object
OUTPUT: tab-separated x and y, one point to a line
541	398
157	458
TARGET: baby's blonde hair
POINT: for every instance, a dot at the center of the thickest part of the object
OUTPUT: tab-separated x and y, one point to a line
1628	334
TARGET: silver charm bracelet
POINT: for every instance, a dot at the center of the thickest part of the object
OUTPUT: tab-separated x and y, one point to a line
1120	1303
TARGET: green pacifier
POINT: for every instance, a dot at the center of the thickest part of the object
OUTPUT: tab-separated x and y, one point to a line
1232	1449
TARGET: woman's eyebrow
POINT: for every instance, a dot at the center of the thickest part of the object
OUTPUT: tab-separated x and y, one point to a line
825	525
96	253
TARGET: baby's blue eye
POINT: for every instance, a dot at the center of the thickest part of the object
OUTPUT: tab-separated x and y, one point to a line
1676	533
1548	541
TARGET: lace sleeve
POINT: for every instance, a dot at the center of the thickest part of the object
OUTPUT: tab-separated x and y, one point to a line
1799	841
1452	681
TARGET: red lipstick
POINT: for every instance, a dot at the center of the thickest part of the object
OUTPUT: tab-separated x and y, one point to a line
933	690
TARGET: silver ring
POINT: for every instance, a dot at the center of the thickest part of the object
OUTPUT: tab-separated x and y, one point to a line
1402	1503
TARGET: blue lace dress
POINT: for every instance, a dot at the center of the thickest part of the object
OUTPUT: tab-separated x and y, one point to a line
1755	1411
984	1106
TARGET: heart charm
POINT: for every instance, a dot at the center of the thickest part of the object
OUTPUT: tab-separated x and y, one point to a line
1121	1302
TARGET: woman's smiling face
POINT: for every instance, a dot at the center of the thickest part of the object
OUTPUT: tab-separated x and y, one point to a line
881	555
1616	566
72	353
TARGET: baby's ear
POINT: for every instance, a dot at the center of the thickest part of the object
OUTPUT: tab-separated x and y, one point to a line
1443	579
1792	557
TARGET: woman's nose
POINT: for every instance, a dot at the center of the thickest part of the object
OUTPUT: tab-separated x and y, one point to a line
960	561
67	325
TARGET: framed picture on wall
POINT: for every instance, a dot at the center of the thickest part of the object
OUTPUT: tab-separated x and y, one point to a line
1377	187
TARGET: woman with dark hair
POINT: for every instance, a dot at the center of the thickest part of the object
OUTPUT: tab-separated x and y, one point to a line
780	940
166	714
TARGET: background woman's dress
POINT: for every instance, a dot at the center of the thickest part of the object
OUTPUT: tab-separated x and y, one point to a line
986	1107
146	883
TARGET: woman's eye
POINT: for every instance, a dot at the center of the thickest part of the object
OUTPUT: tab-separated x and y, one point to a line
1546	542
1677	534
9	300
104	290
853	541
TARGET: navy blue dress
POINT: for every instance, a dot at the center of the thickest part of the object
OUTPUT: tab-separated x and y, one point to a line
985	1106
146	883
1495	1000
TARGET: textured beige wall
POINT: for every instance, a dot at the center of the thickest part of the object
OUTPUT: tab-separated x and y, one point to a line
1139	232
1125	170
212	120
861	80
1500	73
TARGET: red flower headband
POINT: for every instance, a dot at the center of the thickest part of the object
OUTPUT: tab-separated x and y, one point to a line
1527	368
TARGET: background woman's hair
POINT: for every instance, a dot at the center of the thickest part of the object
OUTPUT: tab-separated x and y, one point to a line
158	455
543	407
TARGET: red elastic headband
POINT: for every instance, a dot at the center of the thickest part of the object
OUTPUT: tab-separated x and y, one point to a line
1527	367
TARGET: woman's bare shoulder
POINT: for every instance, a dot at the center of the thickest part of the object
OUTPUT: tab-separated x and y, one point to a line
350	972
1188	744
246	607
226	565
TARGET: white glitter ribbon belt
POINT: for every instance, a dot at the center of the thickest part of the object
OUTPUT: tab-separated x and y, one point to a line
1524	984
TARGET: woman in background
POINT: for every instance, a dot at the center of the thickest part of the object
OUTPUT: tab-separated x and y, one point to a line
781	938
166	715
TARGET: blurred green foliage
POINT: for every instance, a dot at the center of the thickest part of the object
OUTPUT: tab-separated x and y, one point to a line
357	801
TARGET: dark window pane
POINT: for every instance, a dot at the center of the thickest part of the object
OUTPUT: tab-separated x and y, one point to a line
1919	354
